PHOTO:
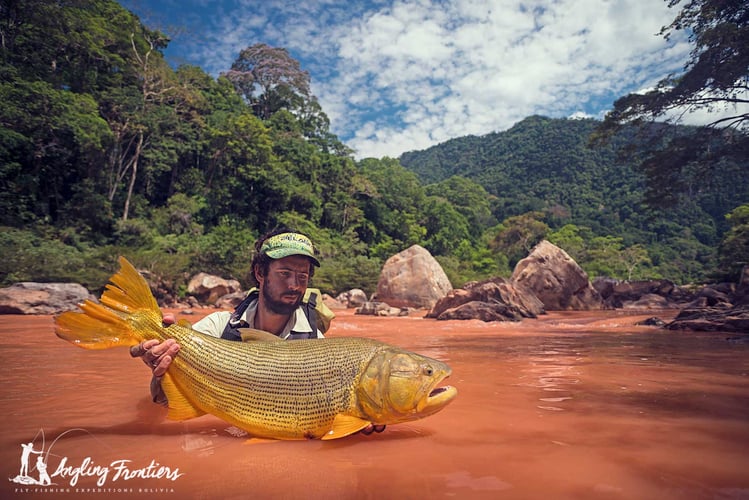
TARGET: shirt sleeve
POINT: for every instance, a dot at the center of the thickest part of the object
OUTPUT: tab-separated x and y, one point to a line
213	324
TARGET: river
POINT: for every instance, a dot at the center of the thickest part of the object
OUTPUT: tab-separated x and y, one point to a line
578	405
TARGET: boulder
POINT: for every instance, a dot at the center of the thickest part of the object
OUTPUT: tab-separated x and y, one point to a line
412	278
230	300
649	301
617	294
556	279
376	308
208	288
42	298
712	319
332	302
353	298
495	299
652	321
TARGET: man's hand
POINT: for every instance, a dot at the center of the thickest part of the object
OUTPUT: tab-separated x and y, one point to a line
158	356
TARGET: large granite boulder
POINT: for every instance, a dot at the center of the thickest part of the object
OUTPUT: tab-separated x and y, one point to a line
556	279
495	299
208	288
412	278
42	298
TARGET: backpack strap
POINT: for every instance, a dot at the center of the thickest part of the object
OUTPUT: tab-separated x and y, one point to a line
231	330
308	305
309	302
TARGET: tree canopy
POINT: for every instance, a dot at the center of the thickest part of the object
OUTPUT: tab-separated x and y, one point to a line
714	83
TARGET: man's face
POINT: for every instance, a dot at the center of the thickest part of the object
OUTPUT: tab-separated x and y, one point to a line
284	285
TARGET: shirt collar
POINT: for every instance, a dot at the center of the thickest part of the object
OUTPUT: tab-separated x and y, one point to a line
297	322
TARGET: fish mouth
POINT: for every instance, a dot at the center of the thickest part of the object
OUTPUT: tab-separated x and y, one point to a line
439	396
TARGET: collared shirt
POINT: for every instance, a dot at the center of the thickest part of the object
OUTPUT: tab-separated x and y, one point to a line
214	323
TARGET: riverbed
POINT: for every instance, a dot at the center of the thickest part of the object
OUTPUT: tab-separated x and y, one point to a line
578	405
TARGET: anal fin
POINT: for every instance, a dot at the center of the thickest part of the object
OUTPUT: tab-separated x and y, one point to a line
345	425
180	408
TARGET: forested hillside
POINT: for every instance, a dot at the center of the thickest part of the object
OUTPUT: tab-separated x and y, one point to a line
106	150
548	170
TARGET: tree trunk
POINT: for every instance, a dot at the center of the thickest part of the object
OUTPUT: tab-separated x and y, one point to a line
136	157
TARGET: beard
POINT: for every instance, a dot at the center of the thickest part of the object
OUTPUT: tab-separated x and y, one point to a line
279	307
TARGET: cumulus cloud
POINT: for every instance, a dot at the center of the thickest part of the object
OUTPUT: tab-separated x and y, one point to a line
398	75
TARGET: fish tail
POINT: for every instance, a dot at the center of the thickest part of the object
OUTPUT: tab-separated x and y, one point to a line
128	314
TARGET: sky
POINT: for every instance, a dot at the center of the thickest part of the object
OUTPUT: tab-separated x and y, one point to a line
403	75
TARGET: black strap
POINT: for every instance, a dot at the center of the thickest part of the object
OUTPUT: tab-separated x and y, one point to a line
311	313
231	330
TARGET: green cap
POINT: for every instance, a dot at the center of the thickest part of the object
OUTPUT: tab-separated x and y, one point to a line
285	244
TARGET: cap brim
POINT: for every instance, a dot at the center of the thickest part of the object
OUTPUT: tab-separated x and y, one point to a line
280	253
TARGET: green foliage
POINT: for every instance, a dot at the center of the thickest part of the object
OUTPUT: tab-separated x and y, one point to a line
733	253
394	206
517	235
713	81
40	254
545	166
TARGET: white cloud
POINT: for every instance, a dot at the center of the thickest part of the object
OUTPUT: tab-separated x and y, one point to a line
469	67
398	75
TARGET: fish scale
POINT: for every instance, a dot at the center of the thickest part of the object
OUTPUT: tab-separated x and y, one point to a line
293	384
319	388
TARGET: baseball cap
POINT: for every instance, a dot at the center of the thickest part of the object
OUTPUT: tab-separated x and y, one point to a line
285	244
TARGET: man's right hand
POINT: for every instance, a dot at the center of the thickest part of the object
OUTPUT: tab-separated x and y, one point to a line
157	356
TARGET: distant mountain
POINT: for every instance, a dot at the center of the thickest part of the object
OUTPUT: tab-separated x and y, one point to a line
545	164
540	164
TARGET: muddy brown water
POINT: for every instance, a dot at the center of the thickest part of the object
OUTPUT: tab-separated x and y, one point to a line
572	405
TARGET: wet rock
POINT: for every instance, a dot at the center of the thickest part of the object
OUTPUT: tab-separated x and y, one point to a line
353	298
412	278
717	296
649	301
712	319
618	294
556	279
208	288
375	308
484	311
492	300
654	321
42	298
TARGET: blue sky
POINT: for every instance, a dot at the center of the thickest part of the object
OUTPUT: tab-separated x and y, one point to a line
403	75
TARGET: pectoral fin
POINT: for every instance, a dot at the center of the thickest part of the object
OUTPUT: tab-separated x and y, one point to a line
344	425
180	408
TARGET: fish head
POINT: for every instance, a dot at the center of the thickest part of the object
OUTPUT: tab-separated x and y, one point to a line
400	386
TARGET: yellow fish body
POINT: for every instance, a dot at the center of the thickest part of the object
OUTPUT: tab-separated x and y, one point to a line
313	389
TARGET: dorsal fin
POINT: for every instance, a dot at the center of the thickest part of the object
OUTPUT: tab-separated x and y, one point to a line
253	335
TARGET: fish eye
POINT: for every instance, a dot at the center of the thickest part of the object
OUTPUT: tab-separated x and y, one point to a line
428	370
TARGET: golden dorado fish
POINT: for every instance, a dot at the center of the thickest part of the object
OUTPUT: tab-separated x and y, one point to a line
313	389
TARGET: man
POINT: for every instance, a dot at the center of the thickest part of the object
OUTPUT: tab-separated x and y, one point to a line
282	266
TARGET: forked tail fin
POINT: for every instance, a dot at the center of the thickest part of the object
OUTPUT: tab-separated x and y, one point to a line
128	314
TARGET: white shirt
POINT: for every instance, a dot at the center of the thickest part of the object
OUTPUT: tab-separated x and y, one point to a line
215	323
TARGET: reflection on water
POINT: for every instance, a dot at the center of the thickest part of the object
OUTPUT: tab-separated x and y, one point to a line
572	405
